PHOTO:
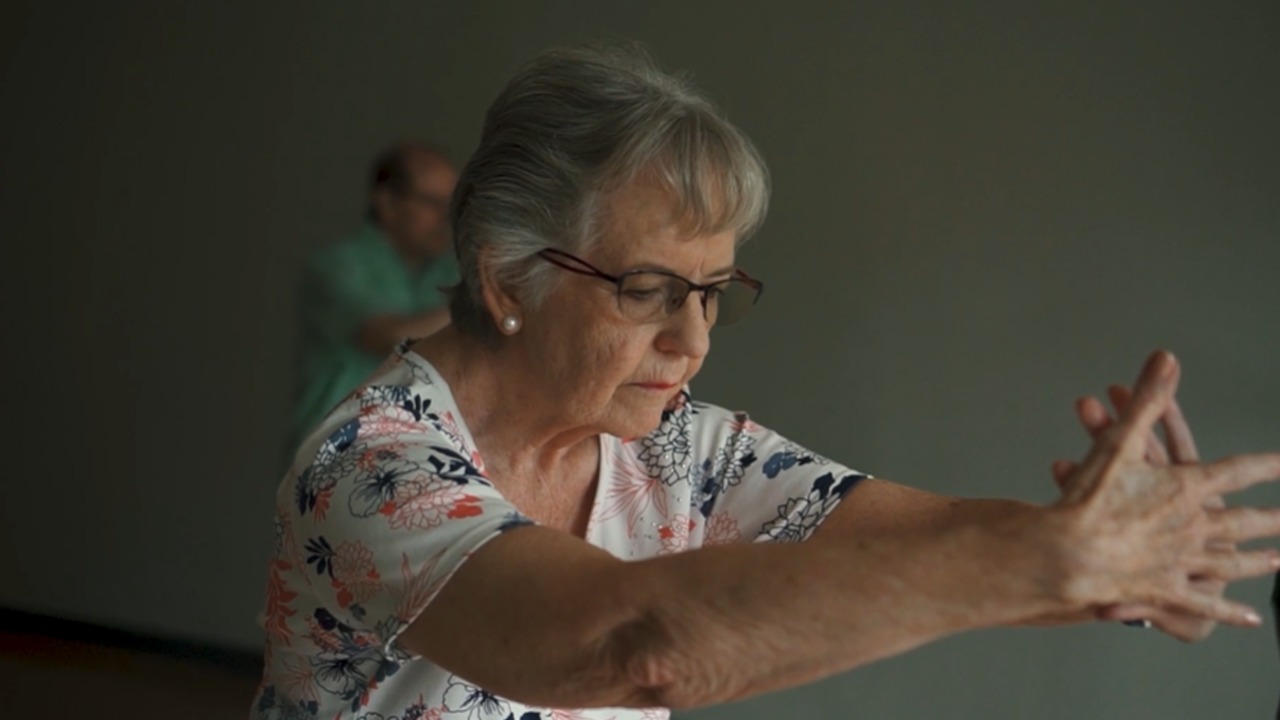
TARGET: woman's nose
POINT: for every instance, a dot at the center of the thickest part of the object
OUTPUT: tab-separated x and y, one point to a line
686	331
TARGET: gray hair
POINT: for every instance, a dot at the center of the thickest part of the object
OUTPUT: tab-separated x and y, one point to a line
573	125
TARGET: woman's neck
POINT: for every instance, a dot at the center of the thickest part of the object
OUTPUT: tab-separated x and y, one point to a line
514	426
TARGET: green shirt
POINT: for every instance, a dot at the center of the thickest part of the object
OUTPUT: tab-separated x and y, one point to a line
343	286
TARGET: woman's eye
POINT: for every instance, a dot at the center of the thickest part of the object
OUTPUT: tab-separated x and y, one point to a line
641	293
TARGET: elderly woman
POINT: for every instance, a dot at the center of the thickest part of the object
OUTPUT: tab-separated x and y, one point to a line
527	512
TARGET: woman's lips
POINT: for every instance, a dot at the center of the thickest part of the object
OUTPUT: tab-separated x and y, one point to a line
656	385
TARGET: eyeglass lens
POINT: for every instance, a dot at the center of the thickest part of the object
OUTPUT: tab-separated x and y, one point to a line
650	297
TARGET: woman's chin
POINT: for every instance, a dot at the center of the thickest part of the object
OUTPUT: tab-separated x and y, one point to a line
632	422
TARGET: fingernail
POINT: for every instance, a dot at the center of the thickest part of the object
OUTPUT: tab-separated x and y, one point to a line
1252	618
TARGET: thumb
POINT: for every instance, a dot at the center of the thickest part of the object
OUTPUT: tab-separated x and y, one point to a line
1062	470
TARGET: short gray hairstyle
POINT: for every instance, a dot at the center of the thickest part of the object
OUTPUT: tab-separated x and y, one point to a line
572	125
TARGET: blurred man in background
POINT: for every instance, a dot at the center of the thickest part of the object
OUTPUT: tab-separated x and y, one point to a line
360	297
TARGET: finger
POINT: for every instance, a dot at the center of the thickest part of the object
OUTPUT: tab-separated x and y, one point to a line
1179	446
1120	397
1242	471
1093	415
1151	395
1062	470
1183	626
1128	612
1214	502
1230	567
1186	628
1182	446
1219	609
1219	546
1240	524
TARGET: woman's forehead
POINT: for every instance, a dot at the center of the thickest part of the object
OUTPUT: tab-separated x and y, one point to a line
641	228
669	249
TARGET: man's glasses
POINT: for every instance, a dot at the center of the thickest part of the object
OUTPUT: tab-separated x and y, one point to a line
434	202
647	296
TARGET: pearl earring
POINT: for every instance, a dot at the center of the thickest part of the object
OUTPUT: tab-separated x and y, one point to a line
510	324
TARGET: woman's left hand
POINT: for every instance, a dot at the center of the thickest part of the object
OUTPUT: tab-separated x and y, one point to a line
1179	447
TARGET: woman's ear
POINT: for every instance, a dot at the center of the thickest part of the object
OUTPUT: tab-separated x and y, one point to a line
504	308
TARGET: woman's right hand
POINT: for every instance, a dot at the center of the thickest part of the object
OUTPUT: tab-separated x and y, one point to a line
1144	534
1178	448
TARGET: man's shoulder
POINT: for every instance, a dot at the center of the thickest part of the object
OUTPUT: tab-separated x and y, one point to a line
364	247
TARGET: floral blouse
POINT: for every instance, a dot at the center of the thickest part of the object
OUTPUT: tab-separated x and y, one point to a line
388	497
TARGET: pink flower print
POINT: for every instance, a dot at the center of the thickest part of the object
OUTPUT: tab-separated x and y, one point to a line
416	587
298	680
632	493
675	536
424	505
321	509
372	458
449	426
354	573
386	421
276	617
326	640
721	529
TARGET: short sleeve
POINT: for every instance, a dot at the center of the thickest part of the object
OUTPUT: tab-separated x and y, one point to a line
384	516
757	486
340	291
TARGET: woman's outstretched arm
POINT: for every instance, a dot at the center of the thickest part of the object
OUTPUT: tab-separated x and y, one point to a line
544	618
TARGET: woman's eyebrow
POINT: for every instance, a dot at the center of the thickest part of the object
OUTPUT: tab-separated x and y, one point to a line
650	267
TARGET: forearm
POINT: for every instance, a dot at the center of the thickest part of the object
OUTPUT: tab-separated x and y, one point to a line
379	335
724	623
883	509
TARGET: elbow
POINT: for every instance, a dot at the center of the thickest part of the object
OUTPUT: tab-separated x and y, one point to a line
657	670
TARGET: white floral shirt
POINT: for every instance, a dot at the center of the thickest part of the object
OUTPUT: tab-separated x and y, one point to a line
388	497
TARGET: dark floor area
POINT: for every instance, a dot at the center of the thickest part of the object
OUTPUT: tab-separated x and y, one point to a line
46	677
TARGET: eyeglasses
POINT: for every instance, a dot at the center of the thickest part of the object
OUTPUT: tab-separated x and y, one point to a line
434	202
648	296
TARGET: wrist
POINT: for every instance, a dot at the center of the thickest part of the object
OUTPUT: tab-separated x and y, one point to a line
1036	552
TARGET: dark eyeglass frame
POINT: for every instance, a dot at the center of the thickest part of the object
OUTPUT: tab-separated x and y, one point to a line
435	202
561	259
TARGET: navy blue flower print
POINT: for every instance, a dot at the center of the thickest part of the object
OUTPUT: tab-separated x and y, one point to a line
665	452
708	489
381	395
272	706
513	520
449	464
417	405
798	517
332	461
474	703
734	458
376	487
791	455
320	553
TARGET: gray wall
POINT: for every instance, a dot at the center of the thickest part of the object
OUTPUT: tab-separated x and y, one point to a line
981	212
